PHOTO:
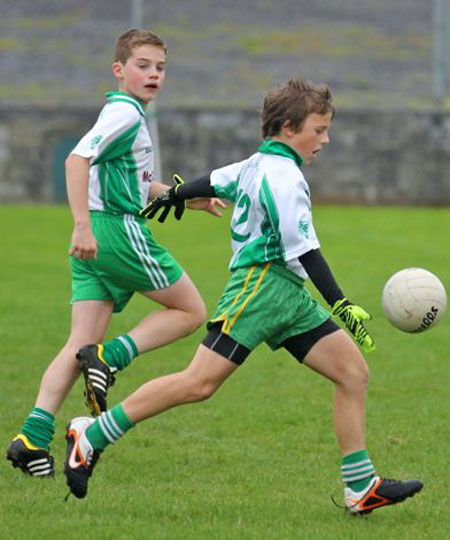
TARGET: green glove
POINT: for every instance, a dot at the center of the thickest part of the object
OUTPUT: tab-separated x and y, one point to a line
352	316
165	201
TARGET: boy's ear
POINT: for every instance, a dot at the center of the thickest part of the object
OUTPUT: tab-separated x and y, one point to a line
117	69
287	129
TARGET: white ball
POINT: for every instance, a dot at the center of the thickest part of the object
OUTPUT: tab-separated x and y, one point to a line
414	300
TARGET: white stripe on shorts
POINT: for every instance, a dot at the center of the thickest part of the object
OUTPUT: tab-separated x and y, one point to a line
139	251
153	262
139	243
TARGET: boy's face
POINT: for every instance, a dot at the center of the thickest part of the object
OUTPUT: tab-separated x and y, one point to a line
143	74
311	138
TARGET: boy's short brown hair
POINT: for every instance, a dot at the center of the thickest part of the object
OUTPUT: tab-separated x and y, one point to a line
135	38
294	101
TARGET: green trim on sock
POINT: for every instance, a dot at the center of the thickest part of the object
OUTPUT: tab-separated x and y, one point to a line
44	413
108	428
95	436
119	352
132	345
357	470
360	455
39	428
121	417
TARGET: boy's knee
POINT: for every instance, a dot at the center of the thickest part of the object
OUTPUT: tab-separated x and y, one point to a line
202	313
204	391
356	372
198	315
362	374
199	389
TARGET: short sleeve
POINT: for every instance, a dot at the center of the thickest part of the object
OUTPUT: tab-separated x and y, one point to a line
112	135
226	179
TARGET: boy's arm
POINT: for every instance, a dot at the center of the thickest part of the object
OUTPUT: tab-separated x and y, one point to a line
196	188
320	274
188	190
200	190
156	189
84	244
350	314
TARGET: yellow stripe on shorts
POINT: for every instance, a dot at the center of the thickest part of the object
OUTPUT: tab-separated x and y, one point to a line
223	316
229	324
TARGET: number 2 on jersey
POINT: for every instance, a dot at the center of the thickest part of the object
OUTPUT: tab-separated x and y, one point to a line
240	218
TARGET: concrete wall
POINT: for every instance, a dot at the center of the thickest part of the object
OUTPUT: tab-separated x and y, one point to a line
375	157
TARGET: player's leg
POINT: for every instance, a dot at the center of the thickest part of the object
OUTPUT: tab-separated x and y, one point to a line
335	356
90	320
210	367
142	265
29	450
198	382
184	311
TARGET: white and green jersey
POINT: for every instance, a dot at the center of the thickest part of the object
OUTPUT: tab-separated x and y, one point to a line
121	156
272	218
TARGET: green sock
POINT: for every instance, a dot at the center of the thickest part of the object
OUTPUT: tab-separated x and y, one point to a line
357	470
39	428
108	428
119	352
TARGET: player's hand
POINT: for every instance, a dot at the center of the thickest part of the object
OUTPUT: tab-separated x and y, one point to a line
352	316
166	201
212	205
84	243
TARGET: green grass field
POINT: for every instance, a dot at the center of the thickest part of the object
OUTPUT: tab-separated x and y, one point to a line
259	460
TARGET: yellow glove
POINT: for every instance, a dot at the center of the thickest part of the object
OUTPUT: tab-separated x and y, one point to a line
352	316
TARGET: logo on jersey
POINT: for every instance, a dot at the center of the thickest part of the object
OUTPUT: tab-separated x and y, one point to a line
303	227
148	149
96	141
147	176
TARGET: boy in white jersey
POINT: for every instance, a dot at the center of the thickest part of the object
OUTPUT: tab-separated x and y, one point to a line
113	254
275	248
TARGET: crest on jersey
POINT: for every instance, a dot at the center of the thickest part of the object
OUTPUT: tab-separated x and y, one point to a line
96	141
303	227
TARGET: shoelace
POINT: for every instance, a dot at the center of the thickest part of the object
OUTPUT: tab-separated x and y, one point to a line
344	507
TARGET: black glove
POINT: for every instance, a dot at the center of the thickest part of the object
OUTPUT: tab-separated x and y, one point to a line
165	201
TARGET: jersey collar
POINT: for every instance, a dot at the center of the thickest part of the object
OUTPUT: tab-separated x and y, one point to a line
123	96
270	146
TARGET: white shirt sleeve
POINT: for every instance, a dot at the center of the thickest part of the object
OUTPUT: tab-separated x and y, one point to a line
226	179
113	122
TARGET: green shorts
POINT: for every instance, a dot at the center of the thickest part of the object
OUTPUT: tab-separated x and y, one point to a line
128	260
266	303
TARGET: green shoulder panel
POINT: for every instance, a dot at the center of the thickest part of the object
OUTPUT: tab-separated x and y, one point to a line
120	146
114	97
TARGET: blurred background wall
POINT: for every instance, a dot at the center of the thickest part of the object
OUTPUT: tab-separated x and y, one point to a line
390	141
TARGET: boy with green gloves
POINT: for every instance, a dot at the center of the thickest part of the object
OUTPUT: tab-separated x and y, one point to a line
275	248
